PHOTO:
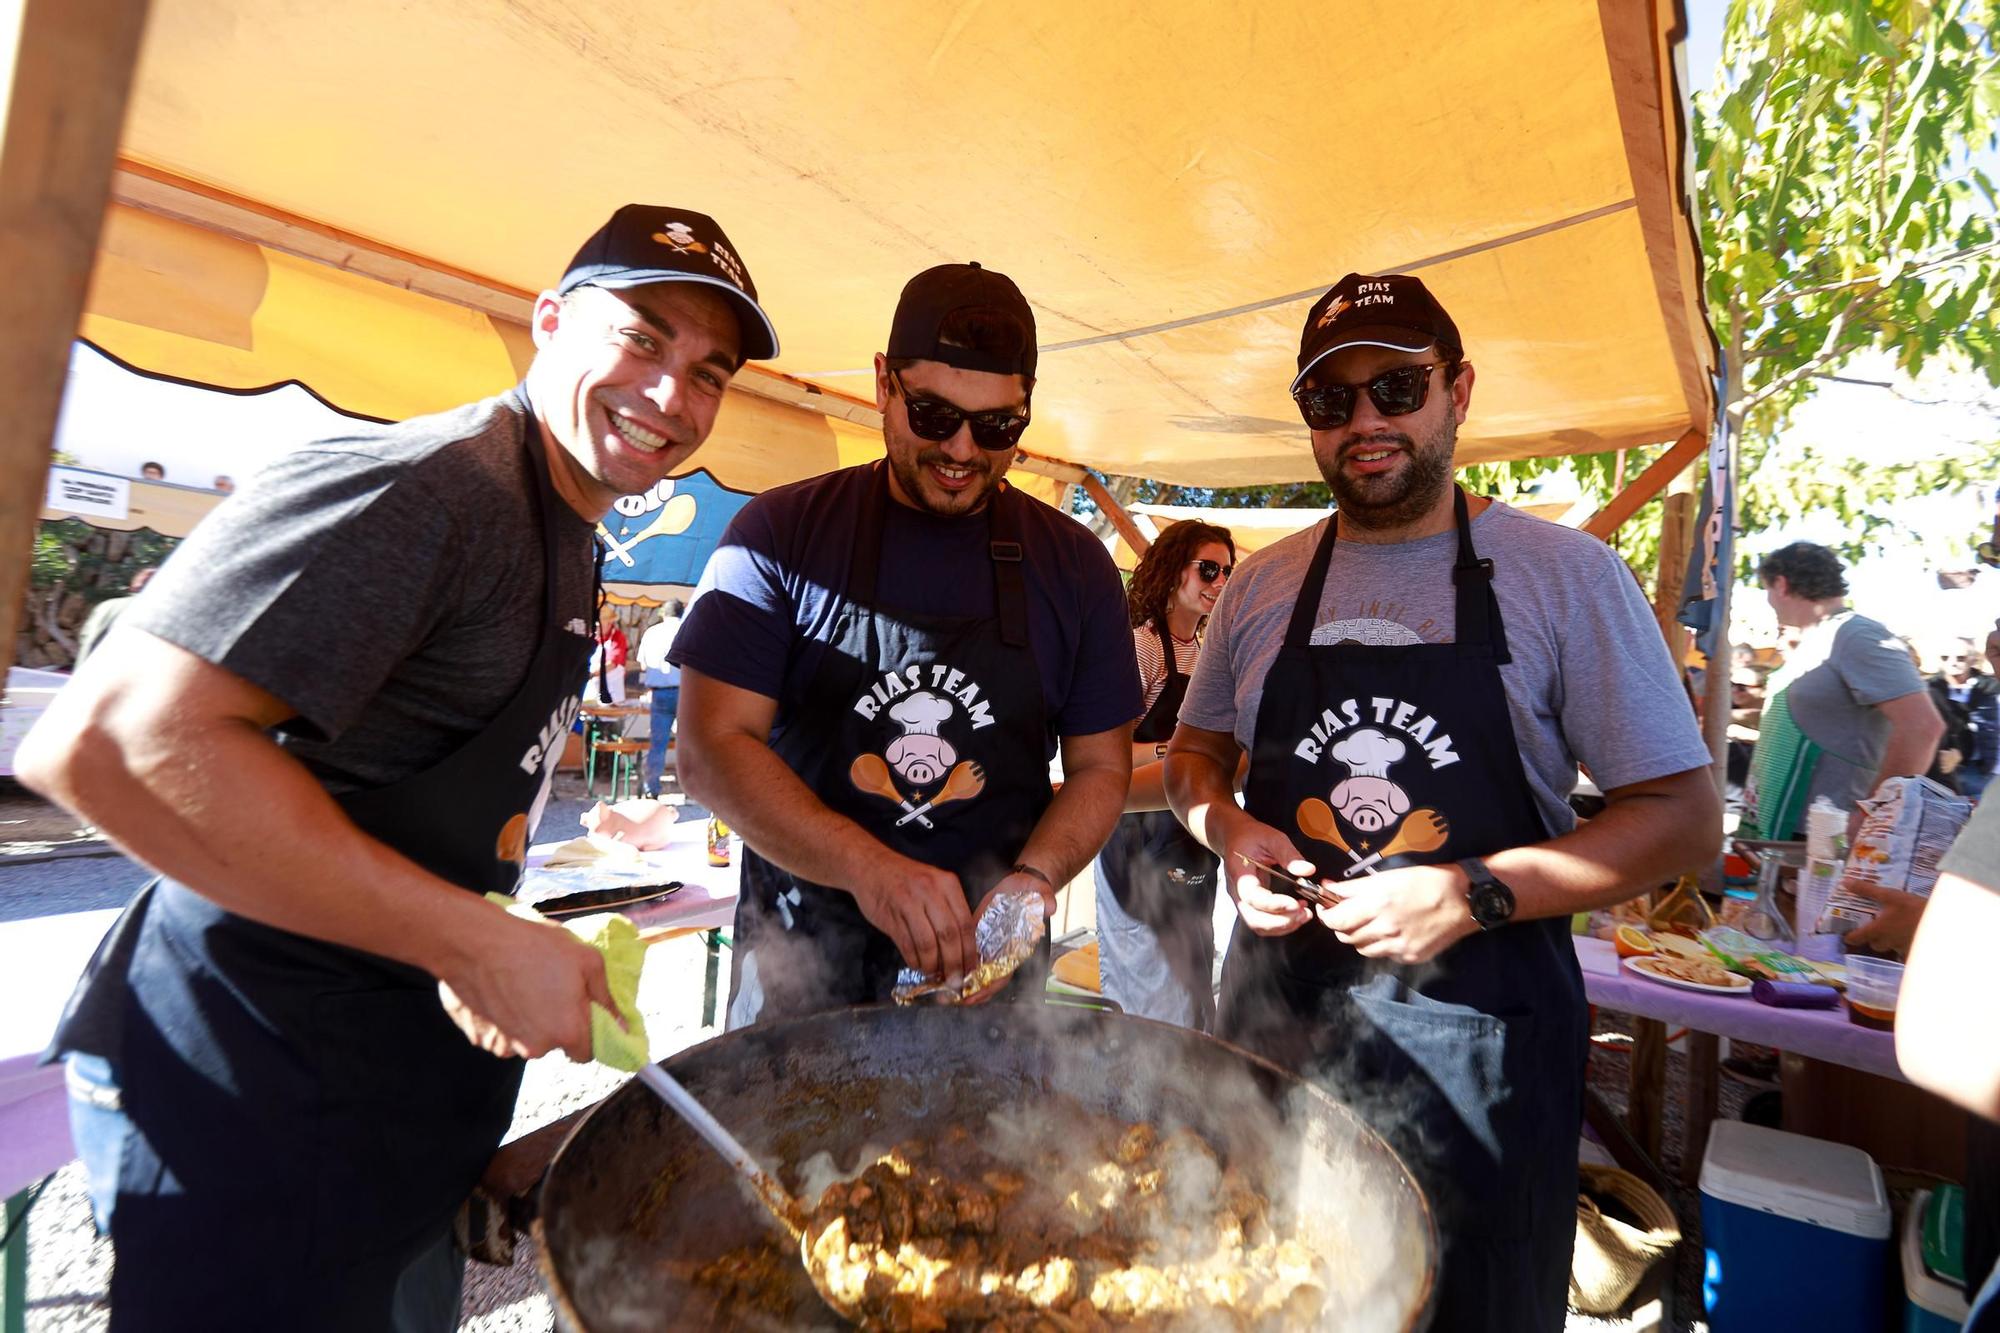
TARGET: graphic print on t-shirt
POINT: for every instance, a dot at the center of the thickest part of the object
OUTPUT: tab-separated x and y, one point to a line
1376	623
927	718
1376	753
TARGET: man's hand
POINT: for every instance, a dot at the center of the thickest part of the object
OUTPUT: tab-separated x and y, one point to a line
1243	840
1014	883
1409	915
525	988
1896	916
922	909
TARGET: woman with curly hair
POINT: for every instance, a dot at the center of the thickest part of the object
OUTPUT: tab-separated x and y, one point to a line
1155	883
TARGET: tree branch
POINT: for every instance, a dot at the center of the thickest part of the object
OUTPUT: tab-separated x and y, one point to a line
1918	269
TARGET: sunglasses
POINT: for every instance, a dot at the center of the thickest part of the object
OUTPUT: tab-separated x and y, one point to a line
1210	571
1395	393
935	419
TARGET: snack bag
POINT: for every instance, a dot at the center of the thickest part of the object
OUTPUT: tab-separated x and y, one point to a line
1906	828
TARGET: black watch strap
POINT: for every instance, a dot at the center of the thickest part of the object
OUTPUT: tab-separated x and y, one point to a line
1491	901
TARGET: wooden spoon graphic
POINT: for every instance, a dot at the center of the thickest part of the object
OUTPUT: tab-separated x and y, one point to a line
966	780
870	773
1316	821
1422	831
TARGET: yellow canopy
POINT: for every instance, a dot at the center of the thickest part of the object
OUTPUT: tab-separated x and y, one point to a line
1171	185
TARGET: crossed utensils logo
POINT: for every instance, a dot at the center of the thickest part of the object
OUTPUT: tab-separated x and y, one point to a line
1371	804
921	758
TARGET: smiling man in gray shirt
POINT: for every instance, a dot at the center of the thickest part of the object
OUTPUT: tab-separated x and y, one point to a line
1415	681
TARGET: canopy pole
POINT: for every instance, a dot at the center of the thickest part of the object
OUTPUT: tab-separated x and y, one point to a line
1649	484
1676	540
1114	511
67	80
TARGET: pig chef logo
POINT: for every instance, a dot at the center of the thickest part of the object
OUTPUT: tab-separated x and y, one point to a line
920	754
1366	798
1371	803
918	759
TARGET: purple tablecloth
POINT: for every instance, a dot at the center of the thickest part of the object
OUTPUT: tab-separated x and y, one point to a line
1823	1034
40	961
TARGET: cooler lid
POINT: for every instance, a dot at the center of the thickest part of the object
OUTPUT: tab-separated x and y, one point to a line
1789	1175
1944	1233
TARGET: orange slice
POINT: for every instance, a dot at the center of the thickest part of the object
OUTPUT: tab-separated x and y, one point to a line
1633	943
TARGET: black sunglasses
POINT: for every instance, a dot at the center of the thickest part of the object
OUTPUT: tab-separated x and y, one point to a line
1210	571
1395	393
935	419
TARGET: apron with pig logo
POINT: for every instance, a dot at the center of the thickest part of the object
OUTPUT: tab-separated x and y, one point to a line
1471	1065
929	732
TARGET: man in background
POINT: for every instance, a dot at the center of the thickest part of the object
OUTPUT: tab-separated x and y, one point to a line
663	679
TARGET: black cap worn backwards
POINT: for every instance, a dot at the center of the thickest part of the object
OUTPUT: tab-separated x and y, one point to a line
647	243
920	331
1360	311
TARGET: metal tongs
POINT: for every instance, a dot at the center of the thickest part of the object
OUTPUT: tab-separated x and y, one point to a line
1307	891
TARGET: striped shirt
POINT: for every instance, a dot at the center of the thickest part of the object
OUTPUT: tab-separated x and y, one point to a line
1153	663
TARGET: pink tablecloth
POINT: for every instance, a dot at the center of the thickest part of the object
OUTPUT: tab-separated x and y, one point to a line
40	960
709	898
1823	1034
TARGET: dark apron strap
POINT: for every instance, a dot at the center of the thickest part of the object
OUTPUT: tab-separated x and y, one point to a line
1477	630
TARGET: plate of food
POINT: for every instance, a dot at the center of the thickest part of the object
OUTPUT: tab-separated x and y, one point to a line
1702	974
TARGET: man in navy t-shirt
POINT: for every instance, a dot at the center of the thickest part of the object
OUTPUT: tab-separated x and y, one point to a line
879	665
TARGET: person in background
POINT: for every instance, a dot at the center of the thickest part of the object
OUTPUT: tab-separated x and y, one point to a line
225	485
606	684
663	679
1968	700
152	472
1155	881
1846	710
105	614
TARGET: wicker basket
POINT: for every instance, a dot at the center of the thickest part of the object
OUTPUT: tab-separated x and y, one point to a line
1612	1256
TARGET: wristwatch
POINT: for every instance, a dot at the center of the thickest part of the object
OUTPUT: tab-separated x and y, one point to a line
1491	901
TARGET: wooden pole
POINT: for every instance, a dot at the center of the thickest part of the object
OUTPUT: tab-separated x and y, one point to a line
71	71
1649	484
1114	511
1676	540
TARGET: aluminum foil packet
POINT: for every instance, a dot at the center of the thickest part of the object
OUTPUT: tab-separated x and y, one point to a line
1007	934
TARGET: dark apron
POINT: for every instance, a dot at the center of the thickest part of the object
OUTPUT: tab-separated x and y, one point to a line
305	1119
1471	1065
903	708
1156	937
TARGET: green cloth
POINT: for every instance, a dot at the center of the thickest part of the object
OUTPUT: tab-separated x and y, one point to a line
624	952
1781	769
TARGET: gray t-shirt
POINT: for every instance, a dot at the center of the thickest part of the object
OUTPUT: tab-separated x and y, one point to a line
1843	668
1590	681
388	585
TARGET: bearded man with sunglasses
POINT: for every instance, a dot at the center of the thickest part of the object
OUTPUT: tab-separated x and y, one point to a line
1415	681
879	665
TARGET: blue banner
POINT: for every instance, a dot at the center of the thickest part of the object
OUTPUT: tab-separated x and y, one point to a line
666	535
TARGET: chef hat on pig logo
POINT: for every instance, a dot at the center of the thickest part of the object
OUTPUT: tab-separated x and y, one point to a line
1368	753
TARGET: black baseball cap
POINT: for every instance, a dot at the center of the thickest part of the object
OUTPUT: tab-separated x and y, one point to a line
917	331
647	243
1395	311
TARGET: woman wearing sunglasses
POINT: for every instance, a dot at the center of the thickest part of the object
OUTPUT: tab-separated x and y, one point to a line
1155	883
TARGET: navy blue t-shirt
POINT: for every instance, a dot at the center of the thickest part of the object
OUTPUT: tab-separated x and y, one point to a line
776	584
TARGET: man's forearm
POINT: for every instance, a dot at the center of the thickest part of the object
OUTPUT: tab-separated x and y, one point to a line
219	807
1639	842
1200	794
756	793
1075	826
